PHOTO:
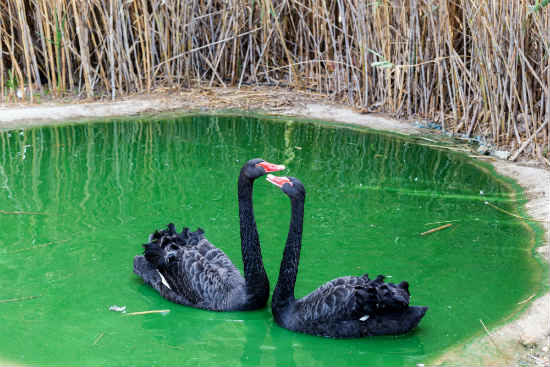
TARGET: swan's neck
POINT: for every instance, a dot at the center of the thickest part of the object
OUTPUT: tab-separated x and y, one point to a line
284	290
254	273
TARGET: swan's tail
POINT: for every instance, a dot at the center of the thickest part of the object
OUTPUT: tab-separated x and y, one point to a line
166	236
170	238
165	243
394	323
155	254
191	238
377	296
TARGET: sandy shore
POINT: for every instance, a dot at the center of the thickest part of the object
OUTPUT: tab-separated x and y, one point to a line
525	340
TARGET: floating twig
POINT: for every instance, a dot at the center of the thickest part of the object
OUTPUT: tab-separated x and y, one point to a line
436	229
37	246
20	213
526	300
98	338
146	312
18	299
180	347
514	215
443	221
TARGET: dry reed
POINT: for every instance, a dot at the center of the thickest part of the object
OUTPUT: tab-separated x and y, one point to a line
479	68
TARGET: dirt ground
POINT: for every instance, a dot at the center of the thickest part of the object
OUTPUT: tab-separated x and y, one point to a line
524	341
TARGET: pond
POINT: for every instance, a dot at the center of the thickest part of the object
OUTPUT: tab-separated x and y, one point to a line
78	201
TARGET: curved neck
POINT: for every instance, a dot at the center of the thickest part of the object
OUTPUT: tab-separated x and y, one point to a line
254	272
284	290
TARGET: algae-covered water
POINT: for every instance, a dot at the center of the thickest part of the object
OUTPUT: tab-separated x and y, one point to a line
78	201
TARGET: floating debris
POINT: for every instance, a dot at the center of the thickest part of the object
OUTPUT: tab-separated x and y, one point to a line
37	246
164	312
118	308
436	229
444	221
98	338
527	300
18	299
512	214
20	213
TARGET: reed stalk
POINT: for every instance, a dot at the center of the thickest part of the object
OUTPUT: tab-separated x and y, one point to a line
479	68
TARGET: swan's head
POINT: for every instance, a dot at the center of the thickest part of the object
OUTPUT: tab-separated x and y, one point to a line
257	167
289	185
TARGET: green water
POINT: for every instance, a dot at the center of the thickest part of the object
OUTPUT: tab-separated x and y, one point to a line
100	189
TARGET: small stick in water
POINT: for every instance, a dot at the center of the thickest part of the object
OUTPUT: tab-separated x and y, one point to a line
512	214
98	338
17	299
20	213
146	312
37	246
436	229
444	221
526	300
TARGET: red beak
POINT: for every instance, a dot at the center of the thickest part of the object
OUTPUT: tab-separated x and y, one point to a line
278	180
270	167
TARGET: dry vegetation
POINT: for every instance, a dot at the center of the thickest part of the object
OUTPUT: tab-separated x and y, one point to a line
479	68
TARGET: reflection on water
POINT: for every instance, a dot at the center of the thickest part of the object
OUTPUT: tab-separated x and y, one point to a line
78	201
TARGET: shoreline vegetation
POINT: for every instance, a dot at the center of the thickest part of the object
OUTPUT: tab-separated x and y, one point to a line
479	70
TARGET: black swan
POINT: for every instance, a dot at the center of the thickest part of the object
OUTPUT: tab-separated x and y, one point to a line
346	307
186	268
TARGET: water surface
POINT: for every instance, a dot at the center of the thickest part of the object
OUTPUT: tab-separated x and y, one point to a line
78	201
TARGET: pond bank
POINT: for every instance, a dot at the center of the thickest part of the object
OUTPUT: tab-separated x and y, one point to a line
522	341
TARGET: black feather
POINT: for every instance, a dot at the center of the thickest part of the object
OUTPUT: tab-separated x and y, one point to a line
187	269
155	254
346	307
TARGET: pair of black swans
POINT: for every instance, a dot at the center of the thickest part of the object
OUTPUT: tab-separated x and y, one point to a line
187	269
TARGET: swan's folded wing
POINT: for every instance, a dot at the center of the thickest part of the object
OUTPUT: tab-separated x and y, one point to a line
180	280
214	255
335	300
204	274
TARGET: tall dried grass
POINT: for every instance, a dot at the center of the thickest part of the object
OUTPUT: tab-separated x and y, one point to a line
478	67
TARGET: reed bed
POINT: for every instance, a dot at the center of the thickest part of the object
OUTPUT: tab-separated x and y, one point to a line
479	68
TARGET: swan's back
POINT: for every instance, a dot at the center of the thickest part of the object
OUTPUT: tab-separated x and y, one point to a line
334	300
175	245
351	307
192	271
